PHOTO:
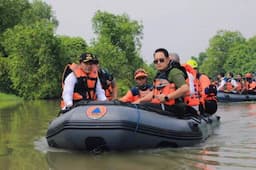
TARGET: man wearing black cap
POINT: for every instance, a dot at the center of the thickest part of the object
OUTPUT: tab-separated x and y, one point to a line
81	82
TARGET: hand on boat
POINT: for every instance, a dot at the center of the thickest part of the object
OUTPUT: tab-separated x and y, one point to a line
136	102
66	109
161	97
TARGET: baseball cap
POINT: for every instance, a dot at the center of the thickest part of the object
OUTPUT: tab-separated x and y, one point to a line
140	73
86	57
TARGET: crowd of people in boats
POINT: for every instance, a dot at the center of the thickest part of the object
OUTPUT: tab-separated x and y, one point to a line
239	84
176	87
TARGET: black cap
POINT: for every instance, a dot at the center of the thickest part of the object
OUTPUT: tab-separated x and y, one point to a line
86	57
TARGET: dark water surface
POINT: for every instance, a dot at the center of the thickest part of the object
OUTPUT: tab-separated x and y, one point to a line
23	146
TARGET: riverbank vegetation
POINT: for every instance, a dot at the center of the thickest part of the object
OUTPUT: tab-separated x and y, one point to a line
32	56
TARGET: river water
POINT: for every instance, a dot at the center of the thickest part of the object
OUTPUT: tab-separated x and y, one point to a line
24	147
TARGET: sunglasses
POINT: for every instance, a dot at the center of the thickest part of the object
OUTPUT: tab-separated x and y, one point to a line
161	60
140	78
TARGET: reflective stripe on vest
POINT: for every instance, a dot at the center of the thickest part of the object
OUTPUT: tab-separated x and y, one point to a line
85	88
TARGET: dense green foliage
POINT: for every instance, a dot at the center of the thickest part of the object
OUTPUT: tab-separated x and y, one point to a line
11	12
32	56
118	45
38	11
6	83
33	59
229	51
10	15
242	57
71	49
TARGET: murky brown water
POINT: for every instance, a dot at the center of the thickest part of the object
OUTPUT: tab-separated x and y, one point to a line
23	146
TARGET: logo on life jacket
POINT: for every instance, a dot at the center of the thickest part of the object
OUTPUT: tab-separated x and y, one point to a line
96	112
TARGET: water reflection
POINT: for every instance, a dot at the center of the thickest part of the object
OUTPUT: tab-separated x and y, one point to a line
137	160
19	127
251	109
23	144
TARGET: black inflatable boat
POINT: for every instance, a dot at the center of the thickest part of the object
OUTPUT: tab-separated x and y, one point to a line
119	126
235	97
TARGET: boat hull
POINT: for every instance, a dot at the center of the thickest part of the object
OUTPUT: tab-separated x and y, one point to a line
125	127
233	97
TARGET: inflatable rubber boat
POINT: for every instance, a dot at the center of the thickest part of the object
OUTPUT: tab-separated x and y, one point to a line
114	125
235	97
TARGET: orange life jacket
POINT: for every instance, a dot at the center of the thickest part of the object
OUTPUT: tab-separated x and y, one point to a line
104	77
228	86
247	85
208	95
252	85
239	85
210	104
109	92
136	93
163	86
204	82
85	88
192	99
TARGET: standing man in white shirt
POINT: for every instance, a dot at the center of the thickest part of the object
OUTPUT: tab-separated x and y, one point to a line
81	82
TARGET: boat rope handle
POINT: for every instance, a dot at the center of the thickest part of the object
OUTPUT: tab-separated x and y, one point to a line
138	118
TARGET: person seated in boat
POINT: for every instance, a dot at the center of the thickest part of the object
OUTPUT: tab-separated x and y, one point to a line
231	84
140	90
250	84
169	85
205	92
81	82
108	82
240	83
192	97
221	81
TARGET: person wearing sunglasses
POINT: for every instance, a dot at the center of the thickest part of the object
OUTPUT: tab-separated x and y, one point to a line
81	82
169	84
141	89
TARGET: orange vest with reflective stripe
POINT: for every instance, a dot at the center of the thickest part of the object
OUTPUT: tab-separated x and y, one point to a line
163	86
85	88
135	93
192	99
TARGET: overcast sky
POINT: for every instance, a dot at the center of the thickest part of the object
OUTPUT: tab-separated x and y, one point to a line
181	26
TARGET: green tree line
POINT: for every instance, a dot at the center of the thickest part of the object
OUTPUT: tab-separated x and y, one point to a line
32	56
228	51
